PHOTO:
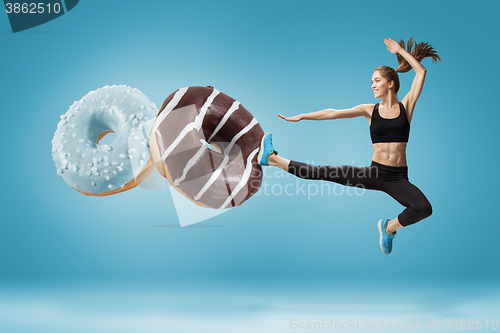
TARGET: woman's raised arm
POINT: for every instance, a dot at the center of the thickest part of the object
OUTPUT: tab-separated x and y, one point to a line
418	82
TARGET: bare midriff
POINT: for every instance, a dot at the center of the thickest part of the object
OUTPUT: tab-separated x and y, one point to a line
390	153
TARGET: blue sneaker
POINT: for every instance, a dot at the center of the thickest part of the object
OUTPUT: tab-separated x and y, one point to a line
385	236
266	149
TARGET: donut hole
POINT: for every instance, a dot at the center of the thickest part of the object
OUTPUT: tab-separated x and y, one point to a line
106	138
211	146
101	124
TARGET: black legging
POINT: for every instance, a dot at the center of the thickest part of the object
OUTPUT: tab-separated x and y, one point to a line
391	180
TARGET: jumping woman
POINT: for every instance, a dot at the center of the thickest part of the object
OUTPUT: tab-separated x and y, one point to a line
389	122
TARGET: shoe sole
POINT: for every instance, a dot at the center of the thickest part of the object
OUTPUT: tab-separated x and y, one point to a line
379	225
261	150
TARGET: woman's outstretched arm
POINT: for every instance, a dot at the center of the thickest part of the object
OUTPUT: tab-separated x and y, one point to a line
357	111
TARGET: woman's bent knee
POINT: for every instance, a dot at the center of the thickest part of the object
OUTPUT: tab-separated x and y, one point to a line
424	211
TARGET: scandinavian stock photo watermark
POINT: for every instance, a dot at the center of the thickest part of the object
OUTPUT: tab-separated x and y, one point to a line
273	186
365	324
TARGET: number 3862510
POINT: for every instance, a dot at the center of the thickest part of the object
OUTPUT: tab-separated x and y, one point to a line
32	8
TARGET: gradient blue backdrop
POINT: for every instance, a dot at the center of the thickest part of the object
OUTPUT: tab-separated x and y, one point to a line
289	57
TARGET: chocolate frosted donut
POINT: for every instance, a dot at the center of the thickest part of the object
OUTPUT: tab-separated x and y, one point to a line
205	143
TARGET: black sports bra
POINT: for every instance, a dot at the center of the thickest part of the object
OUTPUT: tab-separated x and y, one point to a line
389	130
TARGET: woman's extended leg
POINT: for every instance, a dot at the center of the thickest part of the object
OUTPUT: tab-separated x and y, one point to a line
348	175
366	177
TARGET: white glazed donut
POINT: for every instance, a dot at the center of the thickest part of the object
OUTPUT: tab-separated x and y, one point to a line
205	143
100	170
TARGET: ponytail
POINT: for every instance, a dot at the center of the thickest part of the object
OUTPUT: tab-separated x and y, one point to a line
421	51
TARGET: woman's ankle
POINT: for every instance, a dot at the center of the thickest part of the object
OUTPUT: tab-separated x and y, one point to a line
279	162
272	159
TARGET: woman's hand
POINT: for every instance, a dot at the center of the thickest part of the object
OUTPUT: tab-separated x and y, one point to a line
392	45
294	118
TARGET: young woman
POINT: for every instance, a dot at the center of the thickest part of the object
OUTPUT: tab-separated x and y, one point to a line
389	129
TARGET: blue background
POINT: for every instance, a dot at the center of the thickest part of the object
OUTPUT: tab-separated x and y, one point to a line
281	56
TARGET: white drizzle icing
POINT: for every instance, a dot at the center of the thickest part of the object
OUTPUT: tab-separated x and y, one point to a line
244	179
227	151
196	124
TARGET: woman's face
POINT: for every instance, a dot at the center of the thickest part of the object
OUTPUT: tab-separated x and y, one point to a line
380	86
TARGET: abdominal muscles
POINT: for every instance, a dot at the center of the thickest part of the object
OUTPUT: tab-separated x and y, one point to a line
390	153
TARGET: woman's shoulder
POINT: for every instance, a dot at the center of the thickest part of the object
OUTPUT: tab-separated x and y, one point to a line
369	108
